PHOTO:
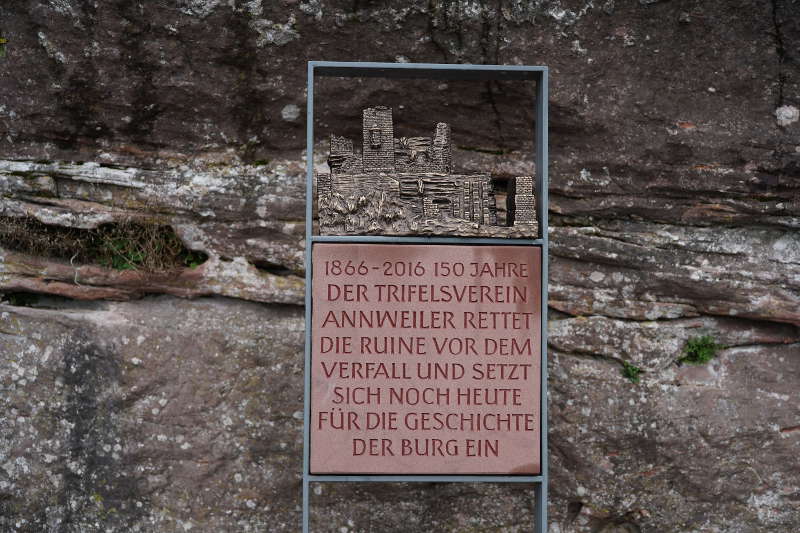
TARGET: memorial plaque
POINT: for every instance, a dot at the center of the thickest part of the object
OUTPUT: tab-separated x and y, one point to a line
425	353
425	359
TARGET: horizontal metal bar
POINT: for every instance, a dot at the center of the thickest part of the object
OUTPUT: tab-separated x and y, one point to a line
502	241
437	66
422	478
426	70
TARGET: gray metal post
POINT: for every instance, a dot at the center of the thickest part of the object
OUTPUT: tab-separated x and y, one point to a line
309	231
542	193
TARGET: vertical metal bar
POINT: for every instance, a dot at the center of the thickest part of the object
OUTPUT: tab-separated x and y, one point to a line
309	231
306	505
541	169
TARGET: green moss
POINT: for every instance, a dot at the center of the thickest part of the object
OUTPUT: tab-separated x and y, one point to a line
125	245
122	254
631	372
193	259
700	350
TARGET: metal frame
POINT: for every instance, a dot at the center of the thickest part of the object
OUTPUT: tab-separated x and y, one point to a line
537	74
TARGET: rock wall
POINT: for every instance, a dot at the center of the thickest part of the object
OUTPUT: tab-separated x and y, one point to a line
172	401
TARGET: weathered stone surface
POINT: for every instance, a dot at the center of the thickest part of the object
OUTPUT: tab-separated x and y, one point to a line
247	219
237	278
655	346
675	209
644	270
158	415
690	449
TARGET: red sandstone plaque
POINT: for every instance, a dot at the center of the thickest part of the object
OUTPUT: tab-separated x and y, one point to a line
425	359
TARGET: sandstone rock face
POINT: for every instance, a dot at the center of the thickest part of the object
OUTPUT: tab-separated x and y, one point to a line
172	401
155	415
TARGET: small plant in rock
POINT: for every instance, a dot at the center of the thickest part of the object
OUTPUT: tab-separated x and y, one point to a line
631	372
121	253
700	350
193	259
